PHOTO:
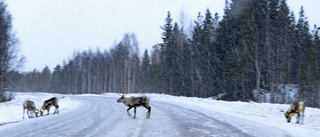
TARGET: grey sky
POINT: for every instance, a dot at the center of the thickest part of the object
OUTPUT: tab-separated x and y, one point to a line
50	30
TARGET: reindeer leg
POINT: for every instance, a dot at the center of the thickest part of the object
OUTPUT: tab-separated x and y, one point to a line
298	117
28	113
302	118
128	111
31	114
57	109
149	110
135	110
23	114
48	110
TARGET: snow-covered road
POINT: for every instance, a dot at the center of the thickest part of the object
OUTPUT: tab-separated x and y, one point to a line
103	116
190	123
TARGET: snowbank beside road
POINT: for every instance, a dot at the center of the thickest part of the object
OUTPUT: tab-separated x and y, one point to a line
261	113
12	111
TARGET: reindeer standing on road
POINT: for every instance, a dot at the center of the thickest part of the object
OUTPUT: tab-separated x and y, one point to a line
134	102
31	107
48	103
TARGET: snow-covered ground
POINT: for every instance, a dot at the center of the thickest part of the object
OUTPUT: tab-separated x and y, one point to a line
12	111
254	119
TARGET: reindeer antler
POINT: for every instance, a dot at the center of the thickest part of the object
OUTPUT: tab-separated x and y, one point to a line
123	91
120	93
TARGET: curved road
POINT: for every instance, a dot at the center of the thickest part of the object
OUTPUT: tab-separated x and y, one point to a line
103	116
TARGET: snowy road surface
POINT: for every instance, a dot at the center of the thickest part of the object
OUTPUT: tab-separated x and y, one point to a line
103	116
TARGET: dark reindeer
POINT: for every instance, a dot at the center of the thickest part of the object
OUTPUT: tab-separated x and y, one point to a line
134	102
30	106
296	107
48	103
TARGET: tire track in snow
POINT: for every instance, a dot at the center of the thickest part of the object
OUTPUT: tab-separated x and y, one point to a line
232	126
197	124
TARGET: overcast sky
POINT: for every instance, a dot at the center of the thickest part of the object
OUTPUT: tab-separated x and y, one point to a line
51	30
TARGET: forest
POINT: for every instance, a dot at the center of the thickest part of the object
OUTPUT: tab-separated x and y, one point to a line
256	47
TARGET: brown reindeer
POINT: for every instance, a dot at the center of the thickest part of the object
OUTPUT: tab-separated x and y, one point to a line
134	102
31	107
48	103
296	107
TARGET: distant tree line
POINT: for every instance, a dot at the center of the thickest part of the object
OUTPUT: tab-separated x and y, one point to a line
255	46
90	72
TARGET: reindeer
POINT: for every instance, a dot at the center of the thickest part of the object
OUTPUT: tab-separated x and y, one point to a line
134	102
30	106
296	107
48	103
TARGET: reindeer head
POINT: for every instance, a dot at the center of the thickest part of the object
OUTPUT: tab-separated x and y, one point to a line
36	112
122	98
42	110
288	116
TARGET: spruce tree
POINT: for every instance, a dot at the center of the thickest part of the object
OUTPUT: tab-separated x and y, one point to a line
303	42
166	55
145	72
57	80
196	43
45	79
